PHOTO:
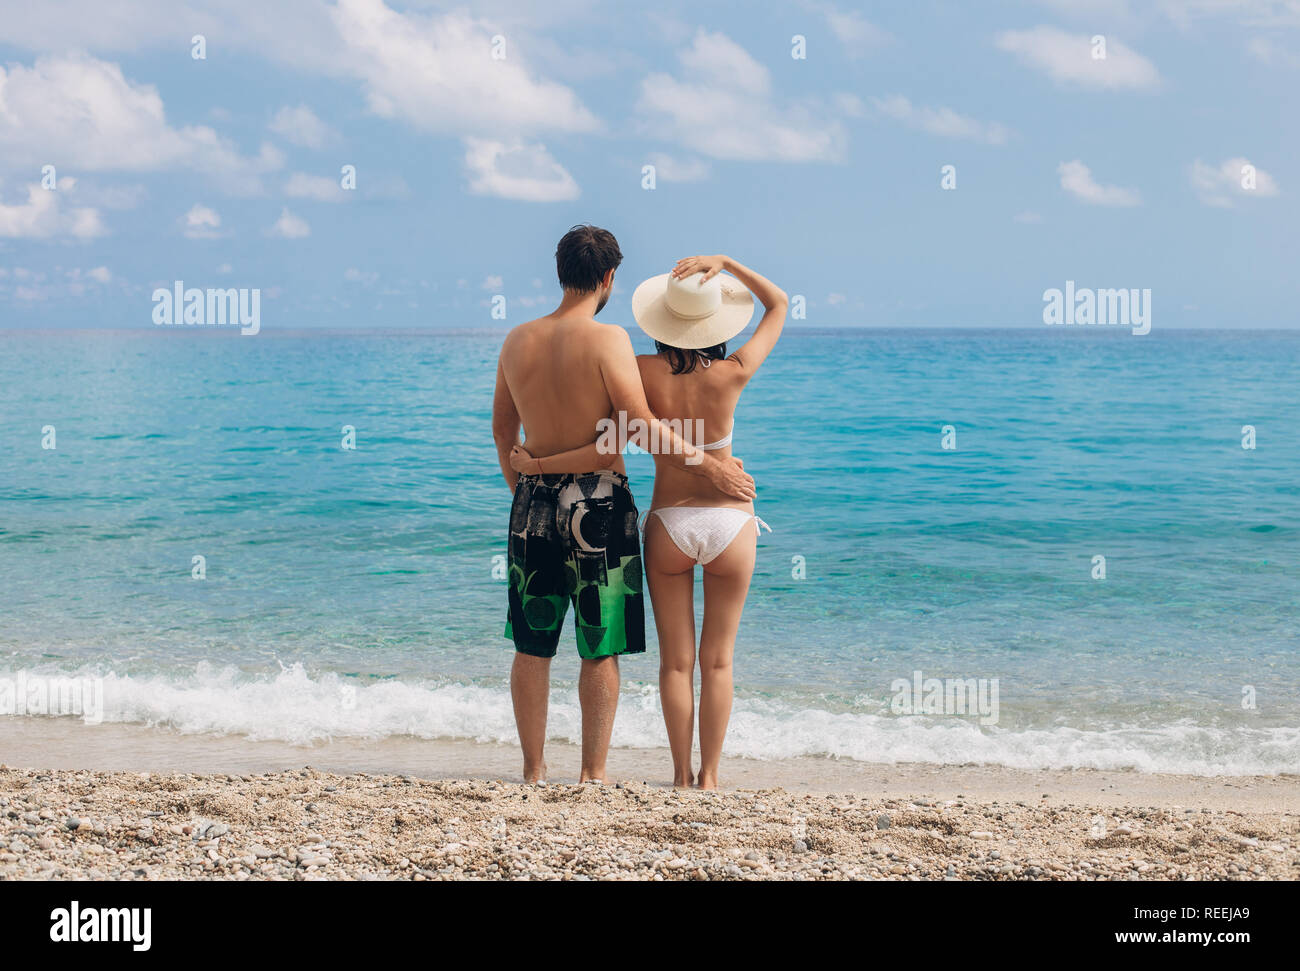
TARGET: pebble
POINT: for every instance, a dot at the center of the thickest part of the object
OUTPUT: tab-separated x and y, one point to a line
426	830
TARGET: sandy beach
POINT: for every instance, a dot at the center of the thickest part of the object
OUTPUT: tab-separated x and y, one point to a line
90	807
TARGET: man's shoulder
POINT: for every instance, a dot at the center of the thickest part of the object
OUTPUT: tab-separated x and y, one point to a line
594	333
590	332
615	335
523	333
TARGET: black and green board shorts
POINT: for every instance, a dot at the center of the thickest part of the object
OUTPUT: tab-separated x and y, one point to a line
573	538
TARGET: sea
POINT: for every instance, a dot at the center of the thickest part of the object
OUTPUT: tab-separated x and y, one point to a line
1036	548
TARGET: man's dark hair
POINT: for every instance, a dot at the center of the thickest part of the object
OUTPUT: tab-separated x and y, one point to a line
584	256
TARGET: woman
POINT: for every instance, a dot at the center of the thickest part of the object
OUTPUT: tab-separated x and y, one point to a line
691	313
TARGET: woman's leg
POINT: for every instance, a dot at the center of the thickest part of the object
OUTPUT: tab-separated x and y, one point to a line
670	574
726	582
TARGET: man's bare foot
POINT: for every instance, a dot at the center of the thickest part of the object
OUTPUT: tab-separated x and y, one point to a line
683	781
535	774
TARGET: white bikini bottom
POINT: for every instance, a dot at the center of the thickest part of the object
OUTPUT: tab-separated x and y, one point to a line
704	532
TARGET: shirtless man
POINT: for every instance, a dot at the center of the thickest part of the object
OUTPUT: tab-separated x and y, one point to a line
573	538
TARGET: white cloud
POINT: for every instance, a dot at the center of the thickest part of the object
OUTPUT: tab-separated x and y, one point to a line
289	226
517	171
854	31
301	127
319	187
62	25
1219	186
1077	180
670	169
437	73
83	113
45	215
1068	58
202	223
940	121
365	277
1266	50
723	108
80	280
72	282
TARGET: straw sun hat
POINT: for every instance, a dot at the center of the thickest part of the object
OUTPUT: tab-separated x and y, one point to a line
691	313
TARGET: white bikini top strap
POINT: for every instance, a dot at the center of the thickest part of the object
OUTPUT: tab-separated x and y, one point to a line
721	442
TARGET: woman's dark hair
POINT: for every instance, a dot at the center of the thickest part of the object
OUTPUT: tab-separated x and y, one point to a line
584	256
683	360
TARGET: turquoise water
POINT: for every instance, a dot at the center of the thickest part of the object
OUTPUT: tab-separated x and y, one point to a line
352	592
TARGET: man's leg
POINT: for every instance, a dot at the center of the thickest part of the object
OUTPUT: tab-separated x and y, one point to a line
598	696
530	687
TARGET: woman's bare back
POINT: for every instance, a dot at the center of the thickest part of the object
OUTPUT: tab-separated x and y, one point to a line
709	394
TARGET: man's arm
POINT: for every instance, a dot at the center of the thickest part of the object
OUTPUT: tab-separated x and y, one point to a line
505	426
623	383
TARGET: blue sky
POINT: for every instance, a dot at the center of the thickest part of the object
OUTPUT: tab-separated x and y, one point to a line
823	172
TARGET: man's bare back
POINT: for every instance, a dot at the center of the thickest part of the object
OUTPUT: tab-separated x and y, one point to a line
555	367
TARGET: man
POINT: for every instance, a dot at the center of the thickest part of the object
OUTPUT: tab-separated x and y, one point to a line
573	538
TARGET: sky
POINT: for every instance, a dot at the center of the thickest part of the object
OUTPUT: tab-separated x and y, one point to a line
807	139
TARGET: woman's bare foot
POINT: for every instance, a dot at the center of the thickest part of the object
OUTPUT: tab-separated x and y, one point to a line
534	774
707	781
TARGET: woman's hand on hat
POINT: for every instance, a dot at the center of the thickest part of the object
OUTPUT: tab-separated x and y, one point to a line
710	266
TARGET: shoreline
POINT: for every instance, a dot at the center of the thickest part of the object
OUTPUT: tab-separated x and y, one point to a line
69	745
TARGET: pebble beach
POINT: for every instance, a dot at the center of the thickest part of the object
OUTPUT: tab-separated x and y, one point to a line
306	824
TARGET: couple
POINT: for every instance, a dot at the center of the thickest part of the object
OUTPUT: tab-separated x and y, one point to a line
573	522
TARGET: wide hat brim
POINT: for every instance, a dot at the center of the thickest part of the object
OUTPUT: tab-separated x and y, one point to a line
655	318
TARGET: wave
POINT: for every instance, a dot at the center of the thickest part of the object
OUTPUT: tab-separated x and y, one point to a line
298	707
